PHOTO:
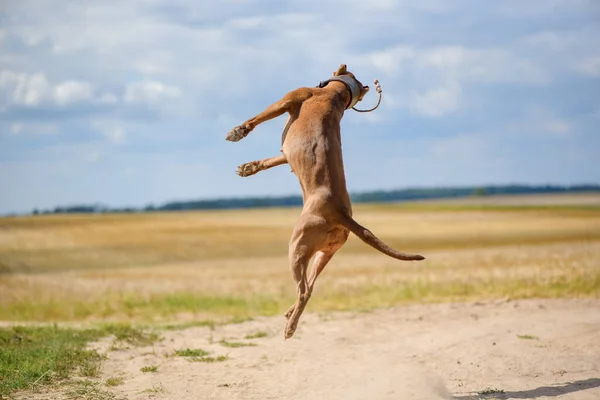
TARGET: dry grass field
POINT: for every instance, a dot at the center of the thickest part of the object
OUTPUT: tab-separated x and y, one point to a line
224	265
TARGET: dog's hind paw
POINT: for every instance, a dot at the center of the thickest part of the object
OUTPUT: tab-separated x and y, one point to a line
237	133
290	311
248	169
289	331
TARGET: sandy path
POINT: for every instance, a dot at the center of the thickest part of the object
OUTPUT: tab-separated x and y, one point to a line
428	352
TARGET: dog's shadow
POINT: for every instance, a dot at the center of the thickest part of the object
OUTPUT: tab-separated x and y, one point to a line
548	391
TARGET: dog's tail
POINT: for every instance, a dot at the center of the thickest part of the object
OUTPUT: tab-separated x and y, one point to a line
369	238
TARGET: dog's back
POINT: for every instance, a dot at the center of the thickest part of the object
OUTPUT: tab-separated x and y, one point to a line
313	146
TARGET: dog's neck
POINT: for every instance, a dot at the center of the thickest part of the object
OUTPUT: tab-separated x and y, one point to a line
351	85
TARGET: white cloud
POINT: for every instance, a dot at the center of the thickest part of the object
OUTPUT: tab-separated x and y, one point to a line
460	146
150	92
93	157
438	75
589	66
32	90
445	57
483	65
72	92
246	22
437	102
390	61
130	171
546	124
557	127
108	98
539	8
16	128
32	128
470	65
542	122
24	89
568	51
115	134
547	39
111	130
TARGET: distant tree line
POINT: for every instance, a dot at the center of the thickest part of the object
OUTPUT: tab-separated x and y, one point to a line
380	196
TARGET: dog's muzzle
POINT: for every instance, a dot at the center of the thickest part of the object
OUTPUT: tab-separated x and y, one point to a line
350	83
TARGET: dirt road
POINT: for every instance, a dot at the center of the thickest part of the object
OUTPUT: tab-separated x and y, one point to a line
546	349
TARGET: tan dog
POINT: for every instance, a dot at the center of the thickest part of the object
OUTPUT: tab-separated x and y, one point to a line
311	144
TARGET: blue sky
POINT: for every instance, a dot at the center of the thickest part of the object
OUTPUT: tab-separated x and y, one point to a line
128	102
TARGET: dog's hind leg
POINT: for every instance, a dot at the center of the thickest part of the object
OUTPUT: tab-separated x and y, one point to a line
299	260
321	260
319	263
253	167
309	235
335	239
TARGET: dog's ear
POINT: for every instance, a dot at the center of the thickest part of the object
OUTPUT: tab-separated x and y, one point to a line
341	70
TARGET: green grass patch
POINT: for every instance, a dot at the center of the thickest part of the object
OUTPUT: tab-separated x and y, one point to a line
224	309
229	309
205	323
527	337
31	356
238	308
209	359
36	356
368	297
191	353
189	324
149	368
114	381
134	336
199	355
88	390
155	389
256	335
235	344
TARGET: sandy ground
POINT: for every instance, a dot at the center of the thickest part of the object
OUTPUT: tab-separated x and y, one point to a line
449	351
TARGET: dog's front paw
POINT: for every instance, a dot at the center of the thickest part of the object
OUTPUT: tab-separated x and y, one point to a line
248	169
237	133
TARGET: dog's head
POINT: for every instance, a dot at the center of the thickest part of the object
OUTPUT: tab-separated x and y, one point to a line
342	70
